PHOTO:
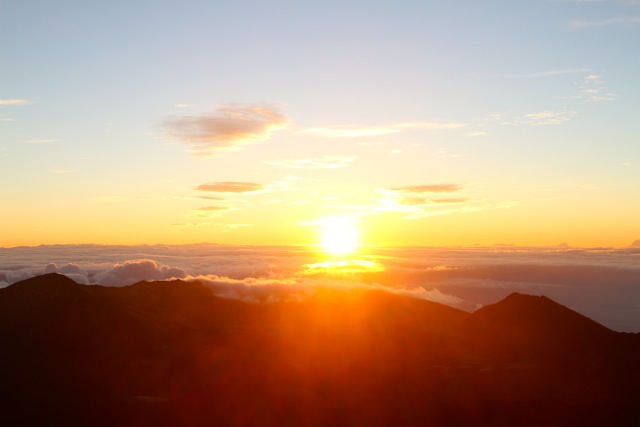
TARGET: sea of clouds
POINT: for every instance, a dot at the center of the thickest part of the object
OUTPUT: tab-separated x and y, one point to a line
601	283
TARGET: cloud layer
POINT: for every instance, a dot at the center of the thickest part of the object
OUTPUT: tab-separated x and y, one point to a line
600	283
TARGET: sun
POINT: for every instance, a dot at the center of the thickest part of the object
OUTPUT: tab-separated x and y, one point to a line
339	235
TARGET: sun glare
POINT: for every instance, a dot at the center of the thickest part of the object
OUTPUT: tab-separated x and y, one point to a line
339	235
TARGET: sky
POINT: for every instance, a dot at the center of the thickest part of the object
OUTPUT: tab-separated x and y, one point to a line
426	123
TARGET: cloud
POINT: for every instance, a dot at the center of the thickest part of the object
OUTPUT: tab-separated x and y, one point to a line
212	208
431	125
413	201
211	198
297	288
326	162
431	188
231	187
61	171
592	90
598	282
548	117
228	126
110	199
39	141
418	201
9	277
351	132
451	200
71	270
357	132
13	102
129	272
619	20
551	73
206	212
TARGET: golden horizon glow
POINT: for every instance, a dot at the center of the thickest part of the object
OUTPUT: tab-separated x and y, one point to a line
339	235
351	266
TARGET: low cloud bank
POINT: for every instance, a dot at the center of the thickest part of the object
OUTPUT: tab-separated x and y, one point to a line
601	283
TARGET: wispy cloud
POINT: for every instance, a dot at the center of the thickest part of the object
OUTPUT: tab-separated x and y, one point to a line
189	224
231	187
39	141
476	134
548	117
415	201
451	200
213	208
618	20
431	125
206	212
551	73
227	127
61	171
211	198
630	2
416	207
351	132
429	188
326	162
593	90
110	199
357	132
13	102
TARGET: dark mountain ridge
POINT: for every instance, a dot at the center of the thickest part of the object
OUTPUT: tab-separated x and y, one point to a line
172	353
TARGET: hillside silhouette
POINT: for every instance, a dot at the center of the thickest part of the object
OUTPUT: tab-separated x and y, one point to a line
172	353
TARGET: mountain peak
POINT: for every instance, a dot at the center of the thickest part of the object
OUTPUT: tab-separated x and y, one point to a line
529	327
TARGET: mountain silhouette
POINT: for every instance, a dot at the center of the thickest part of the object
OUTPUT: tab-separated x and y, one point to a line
173	353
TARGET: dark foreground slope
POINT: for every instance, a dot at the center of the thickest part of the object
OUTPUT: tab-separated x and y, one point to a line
171	353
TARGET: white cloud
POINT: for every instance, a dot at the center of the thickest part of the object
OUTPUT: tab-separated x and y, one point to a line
72	271
13	102
130	272
9	277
